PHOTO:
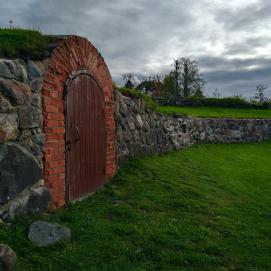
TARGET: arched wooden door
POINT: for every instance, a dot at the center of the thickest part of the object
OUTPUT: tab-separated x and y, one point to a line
85	137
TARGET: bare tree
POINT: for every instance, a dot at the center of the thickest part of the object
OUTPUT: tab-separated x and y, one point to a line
259	95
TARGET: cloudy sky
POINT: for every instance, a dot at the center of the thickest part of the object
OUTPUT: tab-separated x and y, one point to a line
231	40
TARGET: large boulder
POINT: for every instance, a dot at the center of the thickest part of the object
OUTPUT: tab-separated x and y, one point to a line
18	170
18	93
8	258
44	234
32	201
8	127
13	69
5	69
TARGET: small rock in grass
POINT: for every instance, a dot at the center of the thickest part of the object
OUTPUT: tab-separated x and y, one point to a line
8	258
44	234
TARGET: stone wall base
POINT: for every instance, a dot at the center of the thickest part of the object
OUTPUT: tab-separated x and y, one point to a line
141	131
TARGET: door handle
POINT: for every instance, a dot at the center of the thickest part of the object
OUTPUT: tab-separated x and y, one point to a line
75	139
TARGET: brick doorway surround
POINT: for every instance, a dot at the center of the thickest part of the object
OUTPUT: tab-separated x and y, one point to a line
71	55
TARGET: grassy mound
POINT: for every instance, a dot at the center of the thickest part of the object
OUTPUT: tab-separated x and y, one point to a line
227	102
203	208
216	112
23	43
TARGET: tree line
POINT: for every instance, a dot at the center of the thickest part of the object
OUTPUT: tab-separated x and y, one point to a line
184	80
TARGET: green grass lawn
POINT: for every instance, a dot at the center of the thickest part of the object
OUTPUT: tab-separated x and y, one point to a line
203	208
216	112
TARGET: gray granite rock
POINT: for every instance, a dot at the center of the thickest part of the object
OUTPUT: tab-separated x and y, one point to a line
6	69
33	200
18	170
43	234
33	70
13	69
17	93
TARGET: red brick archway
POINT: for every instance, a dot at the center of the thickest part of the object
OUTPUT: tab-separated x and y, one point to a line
73	54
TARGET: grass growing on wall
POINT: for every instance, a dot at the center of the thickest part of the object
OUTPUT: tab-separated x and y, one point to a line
25	43
215	112
202	208
150	103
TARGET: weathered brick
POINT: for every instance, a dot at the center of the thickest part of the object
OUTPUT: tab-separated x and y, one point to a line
71	55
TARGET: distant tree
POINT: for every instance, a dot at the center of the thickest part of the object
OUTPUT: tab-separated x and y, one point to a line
156	92
185	79
168	87
150	85
129	80
259	95
198	90
146	85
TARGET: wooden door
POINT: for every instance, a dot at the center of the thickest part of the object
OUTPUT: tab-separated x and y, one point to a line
85	137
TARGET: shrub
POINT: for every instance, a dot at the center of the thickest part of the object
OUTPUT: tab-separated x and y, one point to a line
229	102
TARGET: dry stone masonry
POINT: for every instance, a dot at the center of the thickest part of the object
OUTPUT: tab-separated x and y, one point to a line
141	131
21	139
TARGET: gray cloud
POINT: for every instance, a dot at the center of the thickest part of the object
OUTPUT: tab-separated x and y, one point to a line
247	19
231	43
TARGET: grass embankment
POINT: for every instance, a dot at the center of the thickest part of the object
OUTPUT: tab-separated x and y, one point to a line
203	208
215	112
24	43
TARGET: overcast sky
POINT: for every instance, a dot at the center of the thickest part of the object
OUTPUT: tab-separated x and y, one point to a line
231	40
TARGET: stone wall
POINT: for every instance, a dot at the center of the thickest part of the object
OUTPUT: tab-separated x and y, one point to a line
21	138
141	131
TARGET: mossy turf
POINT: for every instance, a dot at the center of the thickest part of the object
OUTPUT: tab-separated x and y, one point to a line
216	112
24	43
202	208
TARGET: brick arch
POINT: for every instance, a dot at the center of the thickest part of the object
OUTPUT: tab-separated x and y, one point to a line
71	55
